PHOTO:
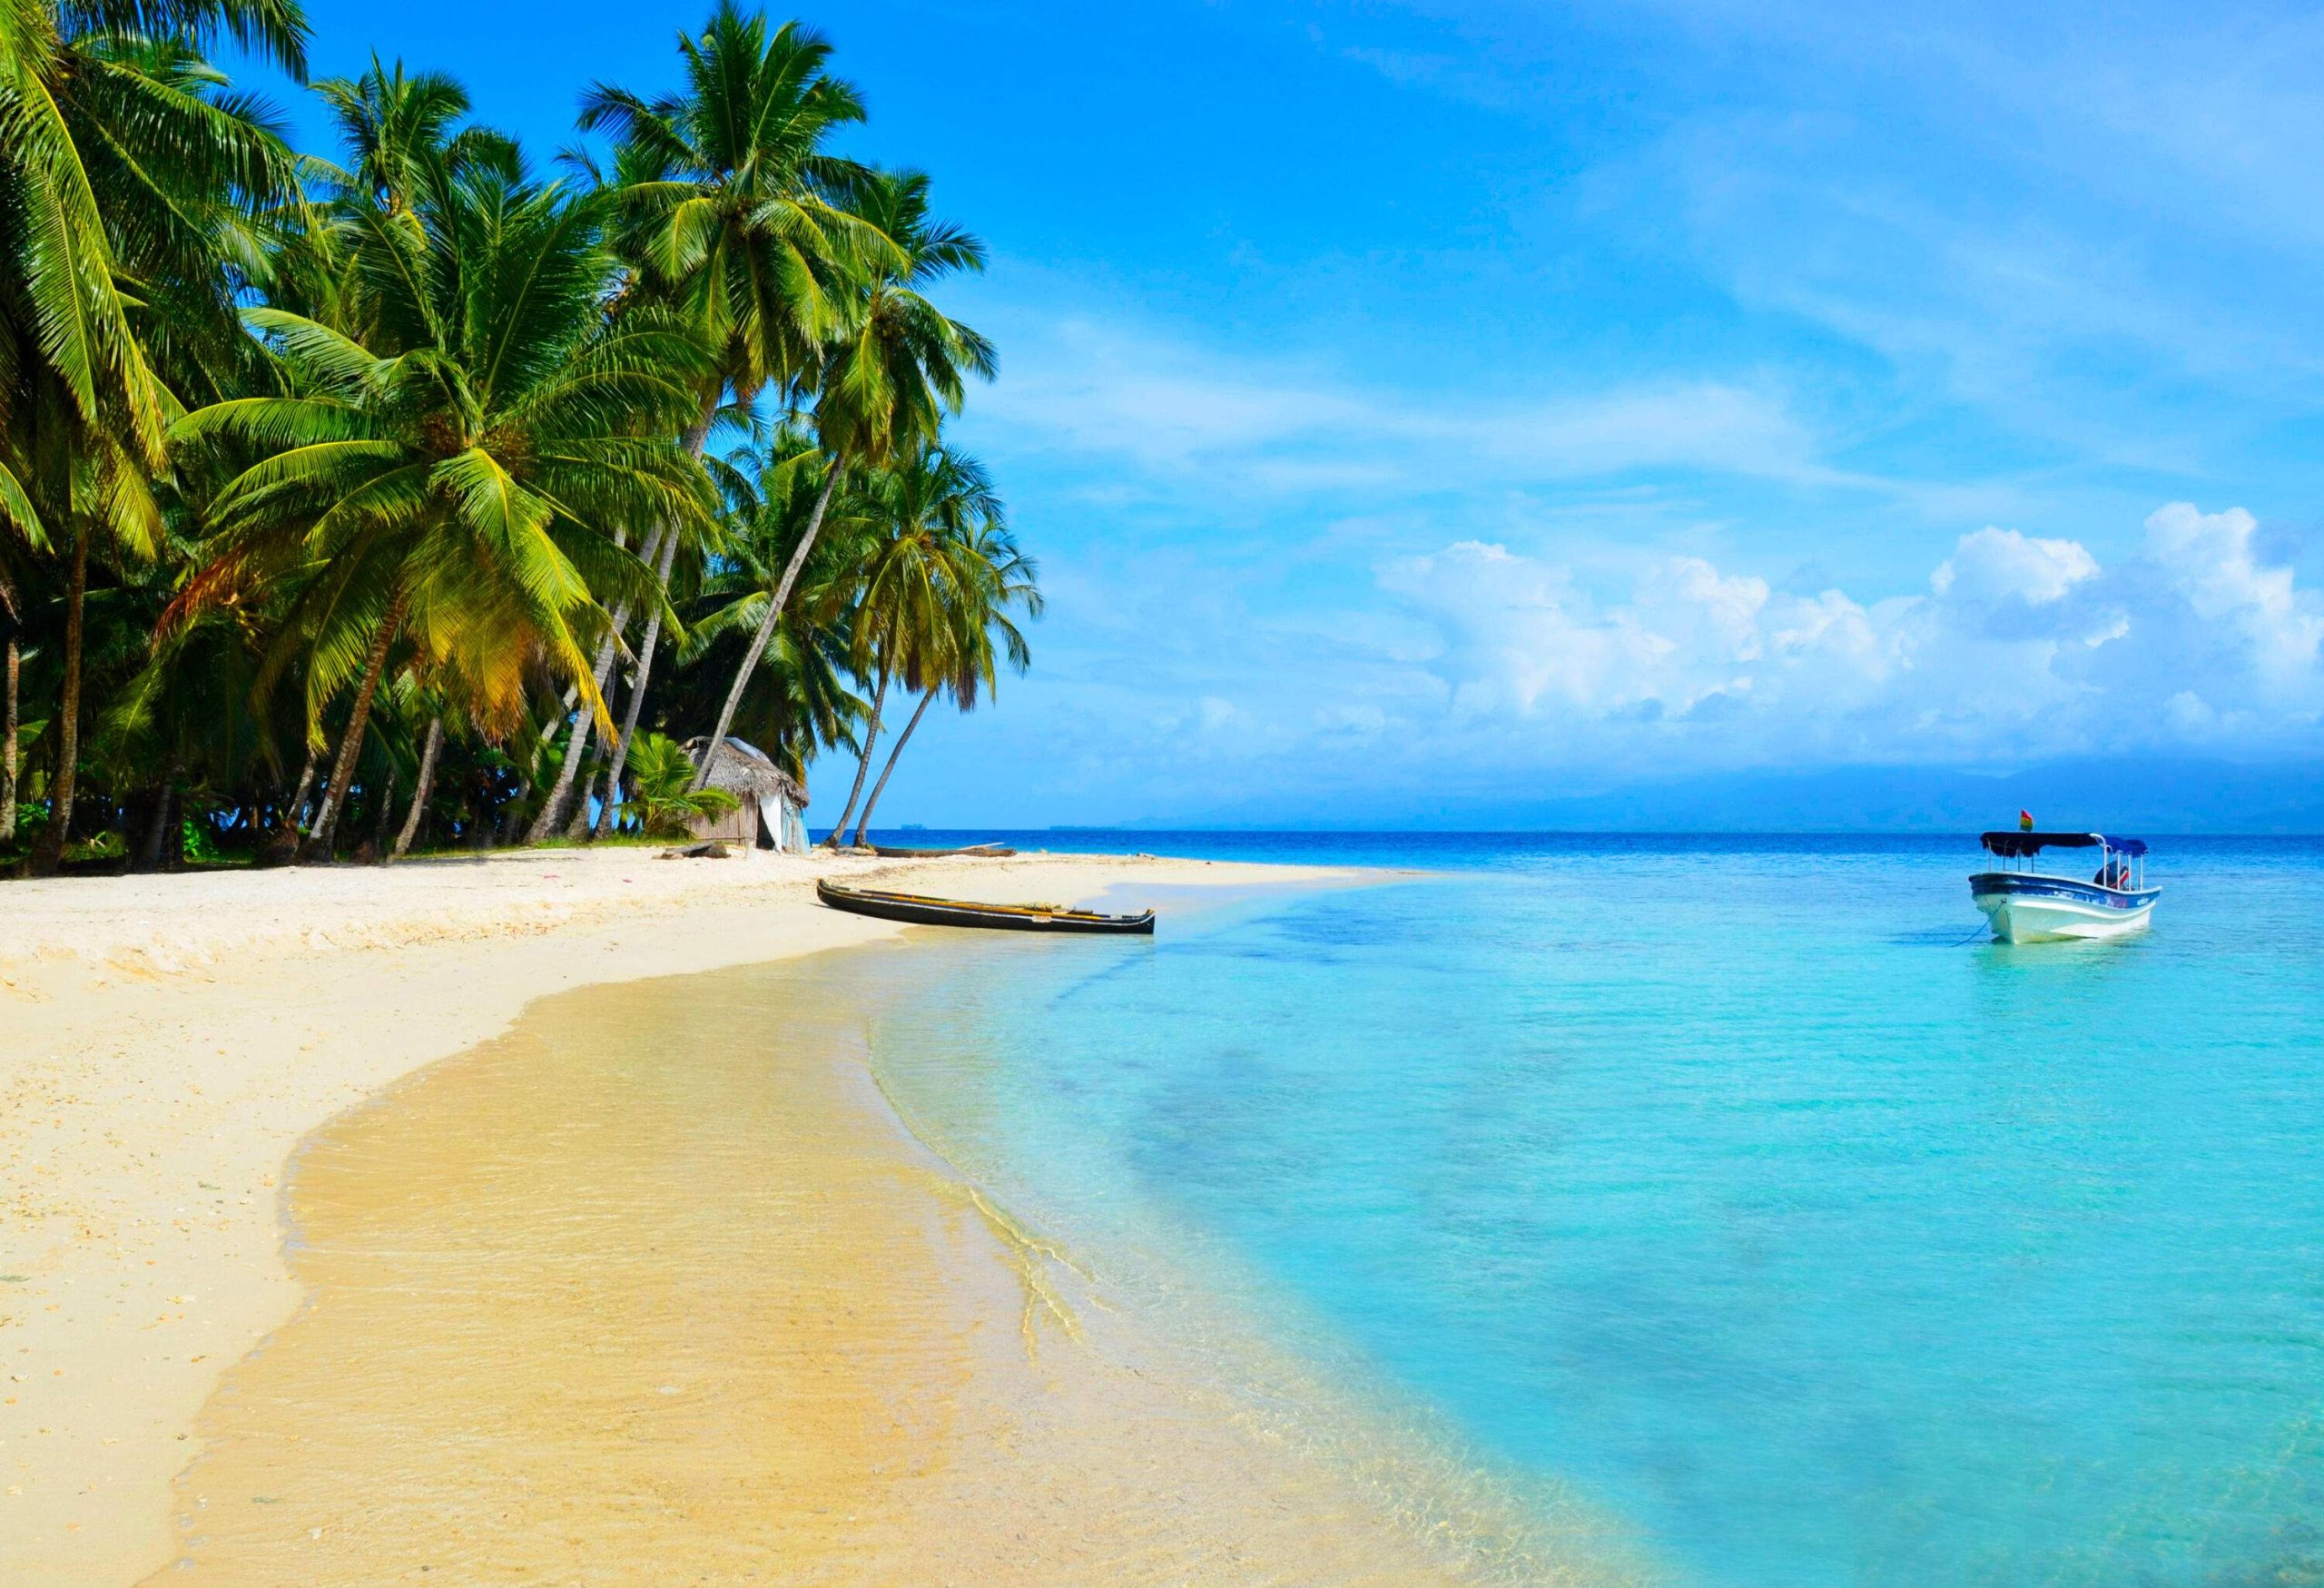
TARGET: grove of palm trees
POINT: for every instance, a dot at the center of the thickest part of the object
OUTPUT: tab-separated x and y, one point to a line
424	492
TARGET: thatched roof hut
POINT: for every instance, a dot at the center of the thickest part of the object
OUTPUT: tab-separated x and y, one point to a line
772	799
745	771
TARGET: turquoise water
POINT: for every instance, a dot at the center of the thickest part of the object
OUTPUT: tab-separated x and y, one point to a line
1736	1184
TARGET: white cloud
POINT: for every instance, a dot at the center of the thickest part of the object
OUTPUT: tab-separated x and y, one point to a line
1998	565
2209	558
2021	646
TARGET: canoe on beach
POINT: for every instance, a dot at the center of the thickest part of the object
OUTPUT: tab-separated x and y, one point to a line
922	911
978	851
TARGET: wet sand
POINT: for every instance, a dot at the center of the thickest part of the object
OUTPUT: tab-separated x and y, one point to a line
655	1287
166	1043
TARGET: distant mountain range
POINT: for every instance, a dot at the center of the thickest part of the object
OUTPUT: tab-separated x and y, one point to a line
2119	795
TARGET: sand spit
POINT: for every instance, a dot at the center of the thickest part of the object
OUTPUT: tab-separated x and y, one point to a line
165	1044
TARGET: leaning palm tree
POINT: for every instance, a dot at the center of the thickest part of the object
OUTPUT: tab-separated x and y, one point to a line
735	216
446	488
886	383
922	512
12	662
993	578
800	700
122	158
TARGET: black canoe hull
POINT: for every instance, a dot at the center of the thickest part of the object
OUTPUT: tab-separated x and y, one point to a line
925	912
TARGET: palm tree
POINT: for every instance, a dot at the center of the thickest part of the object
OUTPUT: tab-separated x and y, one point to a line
402	130
917	512
801	702
735	211
735	216
12	661
423	785
886	382
932	589
664	805
120	159
445	486
991	577
116	157
434	437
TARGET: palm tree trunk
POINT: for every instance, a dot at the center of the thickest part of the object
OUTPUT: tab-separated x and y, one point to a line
644	671
698	436
11	616
157	831
766	625
426	787
871	737
350	744
8	744
895	754
386	813
577	826
49	853
577	742
294	814
583	826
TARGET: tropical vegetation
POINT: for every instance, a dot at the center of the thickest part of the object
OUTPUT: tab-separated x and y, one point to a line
418	494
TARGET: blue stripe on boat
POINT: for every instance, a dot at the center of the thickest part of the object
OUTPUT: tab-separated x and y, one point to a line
2031	885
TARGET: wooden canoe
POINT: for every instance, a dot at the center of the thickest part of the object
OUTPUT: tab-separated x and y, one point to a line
922	911
980	851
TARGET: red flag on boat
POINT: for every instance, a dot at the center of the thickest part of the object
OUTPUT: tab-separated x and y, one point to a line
2025	821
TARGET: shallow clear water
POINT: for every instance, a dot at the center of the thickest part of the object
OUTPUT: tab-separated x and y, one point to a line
1736	1183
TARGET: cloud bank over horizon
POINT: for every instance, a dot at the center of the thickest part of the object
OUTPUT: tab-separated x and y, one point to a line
2019	648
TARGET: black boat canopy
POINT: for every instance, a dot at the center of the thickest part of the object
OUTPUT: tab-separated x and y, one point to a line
2020	845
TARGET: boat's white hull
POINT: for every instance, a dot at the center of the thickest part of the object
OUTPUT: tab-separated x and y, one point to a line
2030	918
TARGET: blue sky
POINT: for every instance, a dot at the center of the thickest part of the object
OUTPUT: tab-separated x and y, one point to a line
1414	401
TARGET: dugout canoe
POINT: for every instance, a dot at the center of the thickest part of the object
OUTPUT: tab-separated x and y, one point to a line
922	911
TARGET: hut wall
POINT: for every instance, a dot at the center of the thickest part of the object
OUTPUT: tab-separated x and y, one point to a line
739	825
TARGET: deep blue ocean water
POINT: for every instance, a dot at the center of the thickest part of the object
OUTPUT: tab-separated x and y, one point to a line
1737	1184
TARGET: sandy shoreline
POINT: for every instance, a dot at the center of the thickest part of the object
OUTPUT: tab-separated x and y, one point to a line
165	1044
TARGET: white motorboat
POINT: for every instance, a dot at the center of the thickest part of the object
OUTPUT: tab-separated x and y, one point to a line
2027	906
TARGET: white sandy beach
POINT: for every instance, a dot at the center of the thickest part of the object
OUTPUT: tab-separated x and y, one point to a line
166	1043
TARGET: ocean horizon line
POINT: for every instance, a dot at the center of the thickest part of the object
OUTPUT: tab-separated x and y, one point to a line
1132	829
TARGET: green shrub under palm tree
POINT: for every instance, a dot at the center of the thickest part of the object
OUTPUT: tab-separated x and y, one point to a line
661	802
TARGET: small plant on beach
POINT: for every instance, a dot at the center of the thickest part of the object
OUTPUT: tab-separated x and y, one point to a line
660	801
